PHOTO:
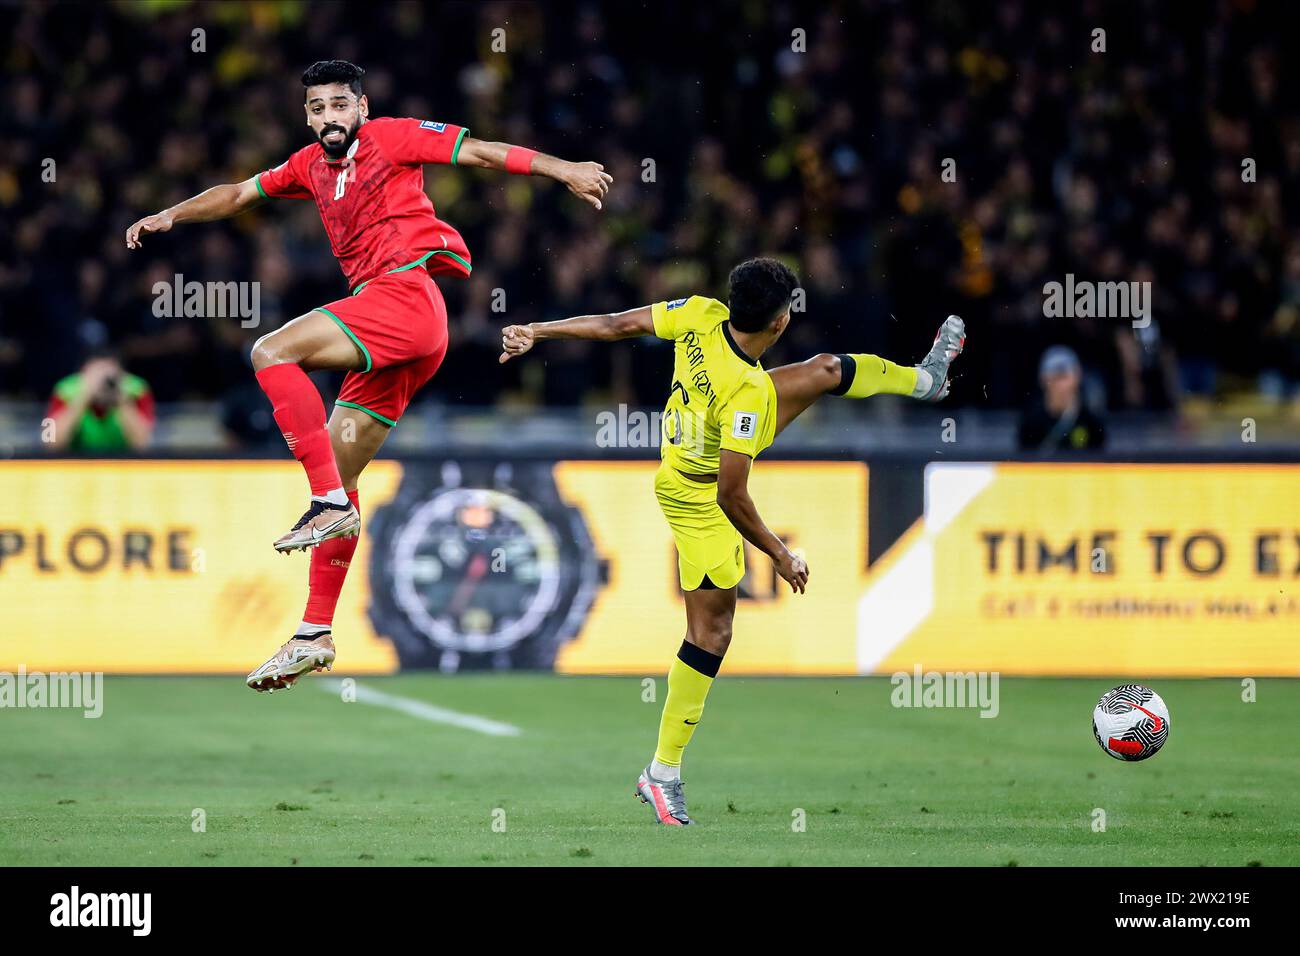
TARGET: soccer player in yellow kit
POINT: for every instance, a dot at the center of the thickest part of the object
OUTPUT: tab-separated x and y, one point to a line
722	410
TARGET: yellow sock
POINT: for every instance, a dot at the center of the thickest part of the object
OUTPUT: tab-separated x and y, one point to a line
868	375
689	680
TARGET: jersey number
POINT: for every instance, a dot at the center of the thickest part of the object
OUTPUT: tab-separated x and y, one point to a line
341	183
673	428
673	431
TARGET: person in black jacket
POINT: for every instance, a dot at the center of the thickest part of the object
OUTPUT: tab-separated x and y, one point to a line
1060	420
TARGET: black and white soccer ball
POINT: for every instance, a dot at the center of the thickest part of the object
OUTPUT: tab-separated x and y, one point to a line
1130	722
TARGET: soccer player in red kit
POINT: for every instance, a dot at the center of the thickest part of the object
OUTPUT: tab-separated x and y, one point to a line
390	334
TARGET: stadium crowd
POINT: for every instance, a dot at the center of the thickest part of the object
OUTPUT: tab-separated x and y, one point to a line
818	133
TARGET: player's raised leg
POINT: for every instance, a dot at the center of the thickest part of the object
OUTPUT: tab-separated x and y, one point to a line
356	438
864	375
709	615
282	359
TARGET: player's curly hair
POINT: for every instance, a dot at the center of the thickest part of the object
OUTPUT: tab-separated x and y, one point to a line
334	71
758	291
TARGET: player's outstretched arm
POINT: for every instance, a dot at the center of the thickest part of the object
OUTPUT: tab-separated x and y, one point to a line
588	181
219	202
739	507
518	339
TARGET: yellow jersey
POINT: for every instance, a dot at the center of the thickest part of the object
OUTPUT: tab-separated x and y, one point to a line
720	397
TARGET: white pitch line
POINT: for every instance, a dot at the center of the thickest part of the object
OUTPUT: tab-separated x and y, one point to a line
418	708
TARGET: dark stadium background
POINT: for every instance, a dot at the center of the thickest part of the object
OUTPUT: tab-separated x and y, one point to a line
1123	165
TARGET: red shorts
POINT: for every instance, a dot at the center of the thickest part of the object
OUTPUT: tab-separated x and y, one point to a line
399	322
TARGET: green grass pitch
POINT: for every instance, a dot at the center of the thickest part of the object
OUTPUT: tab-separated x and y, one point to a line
305	778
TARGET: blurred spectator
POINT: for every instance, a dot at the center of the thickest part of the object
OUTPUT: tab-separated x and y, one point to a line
101	408
1280	380
1060	420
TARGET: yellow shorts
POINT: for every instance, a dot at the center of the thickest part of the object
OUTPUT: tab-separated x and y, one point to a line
707	543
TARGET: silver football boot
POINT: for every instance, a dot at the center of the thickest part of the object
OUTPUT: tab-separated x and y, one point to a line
665	798
948	343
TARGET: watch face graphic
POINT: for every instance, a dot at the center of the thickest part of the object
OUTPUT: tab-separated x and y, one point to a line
480	564
476	569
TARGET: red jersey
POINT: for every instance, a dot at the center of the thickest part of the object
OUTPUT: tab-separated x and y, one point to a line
372	201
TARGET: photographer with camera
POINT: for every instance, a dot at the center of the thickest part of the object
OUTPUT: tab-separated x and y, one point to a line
101	408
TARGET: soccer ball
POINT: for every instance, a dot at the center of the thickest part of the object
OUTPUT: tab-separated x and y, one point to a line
1130	722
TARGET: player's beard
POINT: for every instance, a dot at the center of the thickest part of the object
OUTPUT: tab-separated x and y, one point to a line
340	149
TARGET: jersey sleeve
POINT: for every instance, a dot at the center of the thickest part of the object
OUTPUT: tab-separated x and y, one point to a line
286	181
747	422
665	321
694	314
414	142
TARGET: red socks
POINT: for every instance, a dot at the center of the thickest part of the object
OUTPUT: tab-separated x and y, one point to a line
300	414
329	566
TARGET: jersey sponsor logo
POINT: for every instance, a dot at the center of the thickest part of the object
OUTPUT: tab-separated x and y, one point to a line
436	127
745	425
675	304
